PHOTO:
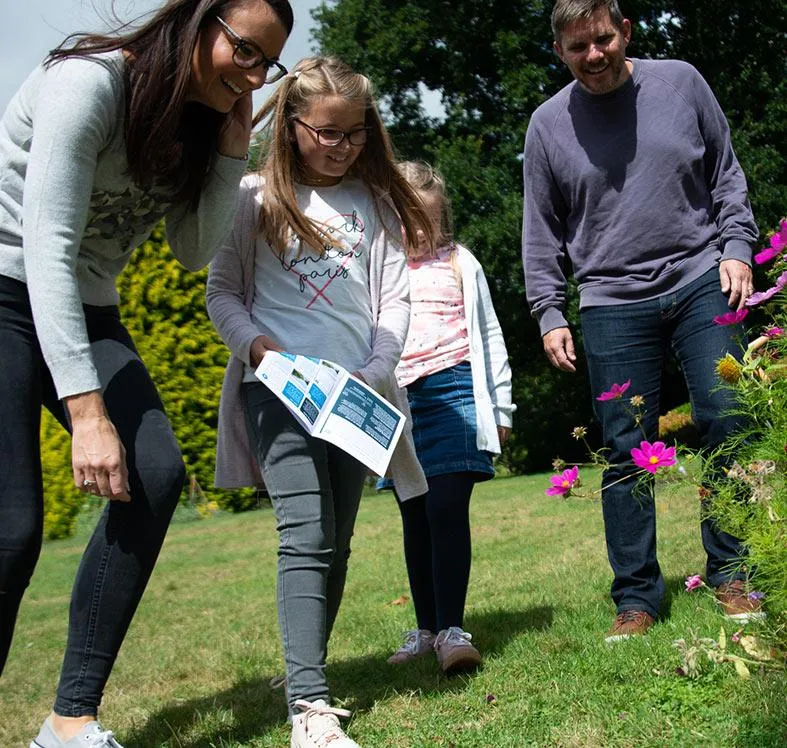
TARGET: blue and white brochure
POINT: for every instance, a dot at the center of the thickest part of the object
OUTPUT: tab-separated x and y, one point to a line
332	404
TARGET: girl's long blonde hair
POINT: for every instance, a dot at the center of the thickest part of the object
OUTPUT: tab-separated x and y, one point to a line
313	77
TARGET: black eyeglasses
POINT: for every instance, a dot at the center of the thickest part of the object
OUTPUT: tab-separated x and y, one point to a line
247	55
332	136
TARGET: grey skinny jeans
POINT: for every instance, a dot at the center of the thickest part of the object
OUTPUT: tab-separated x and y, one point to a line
315	489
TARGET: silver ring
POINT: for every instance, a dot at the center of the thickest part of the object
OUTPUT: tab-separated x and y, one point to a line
88	483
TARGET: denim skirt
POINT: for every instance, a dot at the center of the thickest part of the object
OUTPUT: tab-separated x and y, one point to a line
444	425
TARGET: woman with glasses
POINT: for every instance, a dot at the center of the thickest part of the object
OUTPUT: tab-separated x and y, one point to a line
108	136
314	266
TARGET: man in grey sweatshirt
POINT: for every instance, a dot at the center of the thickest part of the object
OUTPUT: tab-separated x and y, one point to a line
629	173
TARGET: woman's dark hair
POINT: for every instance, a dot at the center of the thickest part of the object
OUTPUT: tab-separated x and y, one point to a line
169	141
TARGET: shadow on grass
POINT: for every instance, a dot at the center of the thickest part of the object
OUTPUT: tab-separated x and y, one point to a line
239	714
493	629
364	681
673	587
251	709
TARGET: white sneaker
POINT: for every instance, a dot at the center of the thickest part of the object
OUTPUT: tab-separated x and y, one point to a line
416	643
317	726
454	651
92	735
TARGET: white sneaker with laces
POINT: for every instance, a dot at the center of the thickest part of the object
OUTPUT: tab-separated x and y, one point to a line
92	735
317	726
454	651
417	642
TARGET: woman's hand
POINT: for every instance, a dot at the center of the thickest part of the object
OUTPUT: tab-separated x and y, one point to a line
236	133
503	432
259	347
98	456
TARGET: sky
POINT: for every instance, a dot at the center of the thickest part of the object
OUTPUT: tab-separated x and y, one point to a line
30	28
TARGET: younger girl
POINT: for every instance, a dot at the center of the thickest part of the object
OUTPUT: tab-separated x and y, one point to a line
455	369
314	266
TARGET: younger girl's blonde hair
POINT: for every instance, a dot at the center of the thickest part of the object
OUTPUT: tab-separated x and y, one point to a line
311	78
425	179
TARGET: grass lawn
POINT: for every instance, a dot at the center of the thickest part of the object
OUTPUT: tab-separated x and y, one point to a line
195	665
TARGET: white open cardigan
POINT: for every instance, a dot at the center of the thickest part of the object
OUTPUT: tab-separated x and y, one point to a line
229	296
488	355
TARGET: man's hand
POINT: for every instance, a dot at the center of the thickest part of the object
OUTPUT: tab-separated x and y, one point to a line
737	281
559	347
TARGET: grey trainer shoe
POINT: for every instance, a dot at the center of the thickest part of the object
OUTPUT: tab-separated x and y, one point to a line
454	651
92	735
416	643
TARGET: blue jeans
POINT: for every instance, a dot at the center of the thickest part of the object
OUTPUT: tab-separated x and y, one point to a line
123	549
315	489
630	341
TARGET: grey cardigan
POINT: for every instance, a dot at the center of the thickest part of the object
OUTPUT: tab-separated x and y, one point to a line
229	295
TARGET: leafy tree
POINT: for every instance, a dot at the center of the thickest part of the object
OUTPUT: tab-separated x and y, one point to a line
493	64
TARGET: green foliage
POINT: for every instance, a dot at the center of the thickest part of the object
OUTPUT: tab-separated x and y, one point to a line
493	64
751	503
62	500
163	306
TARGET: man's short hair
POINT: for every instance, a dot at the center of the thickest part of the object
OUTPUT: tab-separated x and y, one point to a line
568	11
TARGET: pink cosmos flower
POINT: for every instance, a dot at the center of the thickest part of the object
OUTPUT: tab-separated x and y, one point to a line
563	483
766	255
759	296
777	243
651	457
615	392
772	332
694	582
731	318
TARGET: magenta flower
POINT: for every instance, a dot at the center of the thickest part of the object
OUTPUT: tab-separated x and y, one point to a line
759	296
563	483
731	318
615	392
651	457
772	332
694	582
766	255
777	243
736	637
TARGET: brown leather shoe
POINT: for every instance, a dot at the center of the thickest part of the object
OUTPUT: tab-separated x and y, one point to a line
738	603
629	623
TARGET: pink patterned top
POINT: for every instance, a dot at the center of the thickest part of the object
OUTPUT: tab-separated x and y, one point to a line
437	338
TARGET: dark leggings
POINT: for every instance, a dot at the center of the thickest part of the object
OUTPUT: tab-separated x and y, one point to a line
121	553
437	549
